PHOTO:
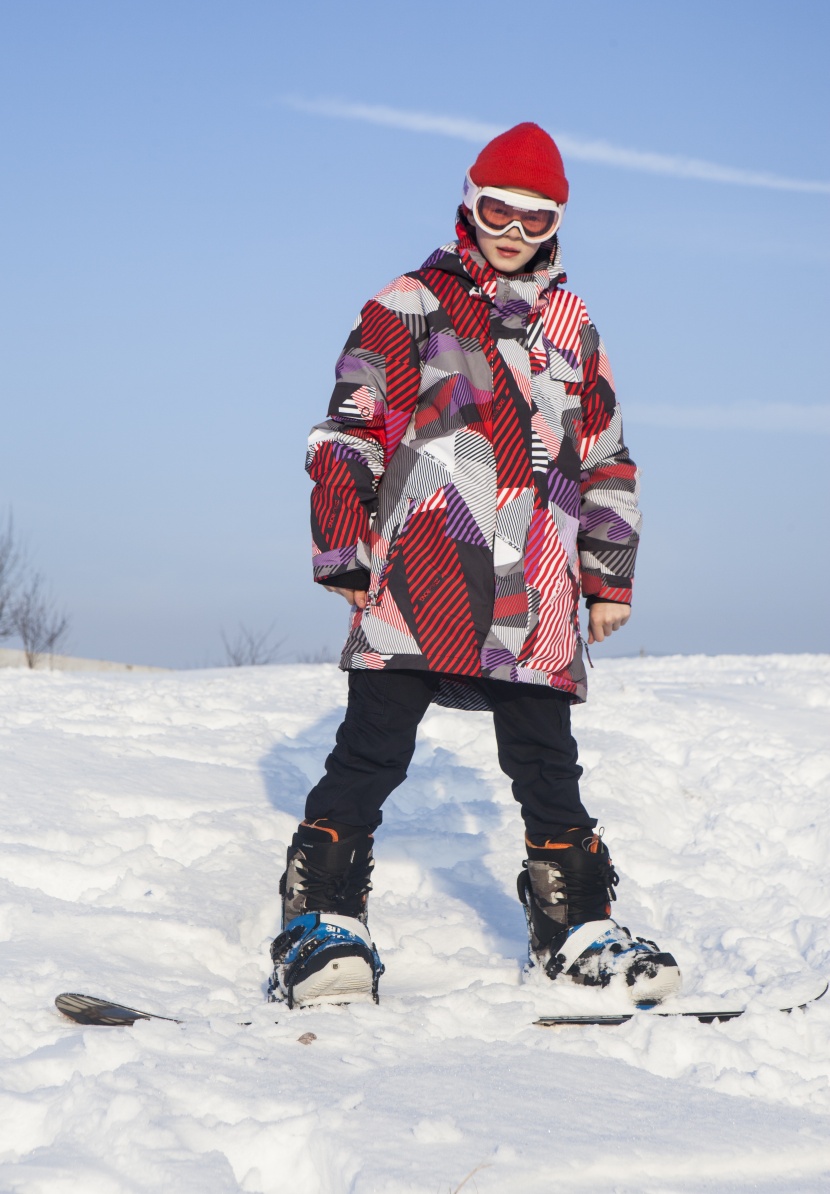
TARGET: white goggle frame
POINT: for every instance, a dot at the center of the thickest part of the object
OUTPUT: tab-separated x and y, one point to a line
473	193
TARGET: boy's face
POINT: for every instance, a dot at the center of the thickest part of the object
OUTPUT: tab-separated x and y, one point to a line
508	253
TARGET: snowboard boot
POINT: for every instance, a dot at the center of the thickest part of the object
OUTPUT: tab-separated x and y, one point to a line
324	953
567	887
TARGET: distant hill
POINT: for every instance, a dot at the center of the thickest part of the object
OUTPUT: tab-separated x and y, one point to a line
10	657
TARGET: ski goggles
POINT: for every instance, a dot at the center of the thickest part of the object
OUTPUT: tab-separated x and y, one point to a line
496	211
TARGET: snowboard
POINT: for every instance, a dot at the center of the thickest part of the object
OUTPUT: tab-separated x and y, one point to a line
87	1009
704	1015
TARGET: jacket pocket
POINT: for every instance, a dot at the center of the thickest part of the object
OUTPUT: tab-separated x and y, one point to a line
392	552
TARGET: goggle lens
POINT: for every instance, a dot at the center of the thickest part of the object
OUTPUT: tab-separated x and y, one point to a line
495	215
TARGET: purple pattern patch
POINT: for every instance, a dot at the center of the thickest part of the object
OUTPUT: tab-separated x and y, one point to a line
348	364
493	657
435	257
563	491
345	451
570	358
460	523
462	394
617	528
336	558
514	306
440	342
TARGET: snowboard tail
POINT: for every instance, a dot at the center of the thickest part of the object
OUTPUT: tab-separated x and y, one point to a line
704	1015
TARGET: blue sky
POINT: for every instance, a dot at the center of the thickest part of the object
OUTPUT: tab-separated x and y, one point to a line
198	197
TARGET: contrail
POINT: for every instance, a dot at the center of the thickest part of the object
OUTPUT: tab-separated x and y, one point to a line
674	165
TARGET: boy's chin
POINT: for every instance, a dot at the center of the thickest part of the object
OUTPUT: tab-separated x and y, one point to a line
509	263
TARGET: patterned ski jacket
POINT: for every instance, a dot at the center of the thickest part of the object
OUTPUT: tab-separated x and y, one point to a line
473	464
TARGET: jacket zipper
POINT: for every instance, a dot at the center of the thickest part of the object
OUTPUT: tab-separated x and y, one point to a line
584	646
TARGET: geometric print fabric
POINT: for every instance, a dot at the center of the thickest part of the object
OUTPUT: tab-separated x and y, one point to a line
473	464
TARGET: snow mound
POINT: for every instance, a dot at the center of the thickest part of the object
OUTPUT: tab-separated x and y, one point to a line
143	830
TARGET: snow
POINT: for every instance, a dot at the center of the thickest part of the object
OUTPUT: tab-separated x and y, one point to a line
143	830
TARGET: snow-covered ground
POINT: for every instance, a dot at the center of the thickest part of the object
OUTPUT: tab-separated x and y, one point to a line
142	834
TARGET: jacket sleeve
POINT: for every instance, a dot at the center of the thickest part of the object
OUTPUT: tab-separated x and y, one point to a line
377	381
609	523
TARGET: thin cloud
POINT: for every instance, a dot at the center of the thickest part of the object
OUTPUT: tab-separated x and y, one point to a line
673	165
780	417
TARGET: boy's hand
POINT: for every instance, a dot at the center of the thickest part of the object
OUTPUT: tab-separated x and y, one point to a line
604	618
356	597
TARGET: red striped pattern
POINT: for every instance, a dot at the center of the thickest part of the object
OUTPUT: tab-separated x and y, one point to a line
563	320
605	368
336	508
509	606
545	557
430	415
586	446
555	644
624	471
595	416
546	434
387	611
435	582
437	501
383	332
402	285
594	586
365	401
467	318
510	447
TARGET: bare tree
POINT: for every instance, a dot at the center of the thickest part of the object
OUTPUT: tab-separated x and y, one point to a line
10	564
321	655
249	649
36	621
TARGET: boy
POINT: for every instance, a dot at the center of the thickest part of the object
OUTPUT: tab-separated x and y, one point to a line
470	481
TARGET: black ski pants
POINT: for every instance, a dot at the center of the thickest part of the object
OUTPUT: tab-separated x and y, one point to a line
376	741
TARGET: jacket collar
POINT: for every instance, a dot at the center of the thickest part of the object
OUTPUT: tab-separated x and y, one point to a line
516	294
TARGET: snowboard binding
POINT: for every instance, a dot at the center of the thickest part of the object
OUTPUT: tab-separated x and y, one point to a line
567	887
324	958
325	953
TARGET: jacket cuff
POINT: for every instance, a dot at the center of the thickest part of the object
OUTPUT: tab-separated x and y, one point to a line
357	578
594	584
595	600
329	566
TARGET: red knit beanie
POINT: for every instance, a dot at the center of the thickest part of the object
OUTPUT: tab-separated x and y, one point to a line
525	157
